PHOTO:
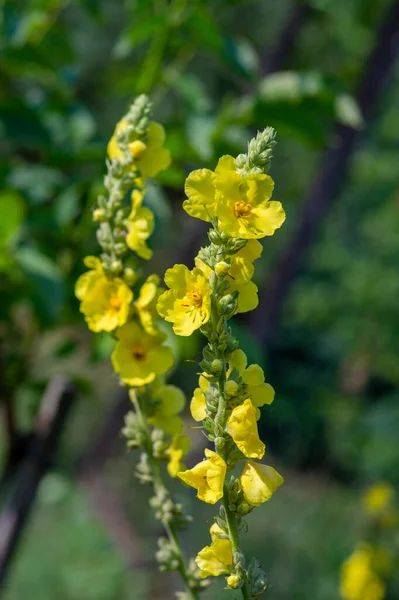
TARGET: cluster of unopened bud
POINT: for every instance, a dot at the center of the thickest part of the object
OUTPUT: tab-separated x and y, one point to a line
133	431
259	155
160	444
237	503
166	555
143	469
168	511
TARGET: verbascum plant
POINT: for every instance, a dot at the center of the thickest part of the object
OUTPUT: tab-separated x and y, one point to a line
367	572
113	300
235	200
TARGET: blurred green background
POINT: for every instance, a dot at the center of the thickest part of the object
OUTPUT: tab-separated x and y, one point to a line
216	71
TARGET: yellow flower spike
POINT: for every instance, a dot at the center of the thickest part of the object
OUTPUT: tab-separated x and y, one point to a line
170	402
358	580
187	304
242	427
377	498
216	559
259	482
260	393
243	205
151	157
198	401
207	477
139	357
105	302
179	447
140	225
146	304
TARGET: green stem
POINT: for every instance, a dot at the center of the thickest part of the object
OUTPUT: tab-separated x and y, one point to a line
160	487
220	420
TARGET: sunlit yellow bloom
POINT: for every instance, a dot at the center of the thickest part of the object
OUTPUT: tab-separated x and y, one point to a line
377	498
258	391
259	482
217	558
240	202
179	447
150	156
105	302
198	402
187	304
146	304
170	402
139	357
358	580
207	477
242	427
140	225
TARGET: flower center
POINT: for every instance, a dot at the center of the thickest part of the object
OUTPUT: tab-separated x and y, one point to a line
115	302
193	300
242	209
139	353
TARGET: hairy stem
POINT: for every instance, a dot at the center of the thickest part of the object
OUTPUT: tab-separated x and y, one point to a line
159	486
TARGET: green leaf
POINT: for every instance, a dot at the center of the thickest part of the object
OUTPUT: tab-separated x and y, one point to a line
12	212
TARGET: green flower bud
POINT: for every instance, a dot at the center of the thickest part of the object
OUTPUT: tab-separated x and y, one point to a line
222	268
234	581
129	276
216	366
231	388
116	267
99	215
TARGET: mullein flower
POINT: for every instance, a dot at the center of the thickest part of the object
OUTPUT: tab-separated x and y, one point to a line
378	498
150	156
240	202
358	579
140	225
242	427
105	301
169	401
187	304
179	447
216	559
259	482
207	477
139	357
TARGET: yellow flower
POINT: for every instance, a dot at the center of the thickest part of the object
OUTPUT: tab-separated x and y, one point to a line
358	580
170	402
259	482
377	498
140	225
150	156
105	302
240	202
146	304
232	581
198	402
207	477
188	303
217	558
139	357
242	427
179	447
258	391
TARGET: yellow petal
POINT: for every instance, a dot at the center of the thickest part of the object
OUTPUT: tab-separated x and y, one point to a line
238	360
198	405
268	218
242	427
259	482
201	194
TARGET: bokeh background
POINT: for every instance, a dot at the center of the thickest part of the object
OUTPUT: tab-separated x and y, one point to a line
323	73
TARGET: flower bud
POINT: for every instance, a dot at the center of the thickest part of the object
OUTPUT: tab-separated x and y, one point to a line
233	581
99	215
244	508
216	366
129	276
222	268
231	388
116	267
137	148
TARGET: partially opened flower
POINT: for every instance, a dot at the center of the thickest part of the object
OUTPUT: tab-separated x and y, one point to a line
358	579
179	447
140	225
146	304
207	477
105	301
169	402
139	357
151	156
259	482
187	304
216	559
258	390
198	401
242	427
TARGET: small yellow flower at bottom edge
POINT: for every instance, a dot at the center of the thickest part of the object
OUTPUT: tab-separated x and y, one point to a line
259	482
358	580
242	427
207	477
216	559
